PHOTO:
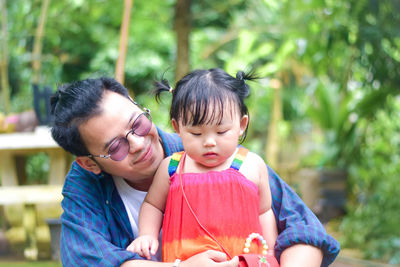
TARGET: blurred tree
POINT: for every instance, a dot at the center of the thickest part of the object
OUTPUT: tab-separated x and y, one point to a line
5	91
182	29
123	42
37	43
345	54
372	221
273	140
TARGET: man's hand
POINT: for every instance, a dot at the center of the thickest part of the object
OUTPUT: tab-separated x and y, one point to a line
144	246
210	258
301	255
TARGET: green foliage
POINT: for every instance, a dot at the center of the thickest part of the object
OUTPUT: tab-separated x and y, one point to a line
335	114
81	40
372	223
159	111
150	47
37	168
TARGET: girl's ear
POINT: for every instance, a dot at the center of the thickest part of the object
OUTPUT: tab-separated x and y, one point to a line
175	125
243	123
88	164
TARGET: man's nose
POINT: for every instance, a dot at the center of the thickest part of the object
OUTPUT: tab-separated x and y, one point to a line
136	142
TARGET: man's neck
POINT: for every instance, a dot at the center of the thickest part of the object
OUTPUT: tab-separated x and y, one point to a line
144	186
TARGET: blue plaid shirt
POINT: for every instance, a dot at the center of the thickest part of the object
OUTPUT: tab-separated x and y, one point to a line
96	229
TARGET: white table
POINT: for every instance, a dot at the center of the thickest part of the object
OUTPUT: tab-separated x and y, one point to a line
11	193
40	140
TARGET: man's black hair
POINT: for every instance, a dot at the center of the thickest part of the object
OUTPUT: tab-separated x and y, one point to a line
74	104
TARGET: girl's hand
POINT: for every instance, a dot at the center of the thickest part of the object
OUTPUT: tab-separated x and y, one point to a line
144	246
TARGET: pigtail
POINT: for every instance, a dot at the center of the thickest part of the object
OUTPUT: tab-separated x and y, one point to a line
161	86
241	76
250	75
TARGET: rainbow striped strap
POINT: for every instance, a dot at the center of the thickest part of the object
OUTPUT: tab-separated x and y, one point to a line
239	158
174	162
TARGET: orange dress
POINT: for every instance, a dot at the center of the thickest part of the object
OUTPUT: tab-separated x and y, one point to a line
225	203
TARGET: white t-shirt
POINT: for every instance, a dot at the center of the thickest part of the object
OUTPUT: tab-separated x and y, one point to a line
132	200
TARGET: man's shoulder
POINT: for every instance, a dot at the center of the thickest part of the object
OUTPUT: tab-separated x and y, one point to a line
79	179
171	142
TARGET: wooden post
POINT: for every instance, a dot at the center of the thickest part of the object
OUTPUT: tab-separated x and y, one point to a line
58	166
31	251
182	29
5	89
7	169
123	42
20	164
37	44
272	148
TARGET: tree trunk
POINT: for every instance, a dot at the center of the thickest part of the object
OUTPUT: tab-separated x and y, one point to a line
182	29
5	88
123	42
37	44
273	141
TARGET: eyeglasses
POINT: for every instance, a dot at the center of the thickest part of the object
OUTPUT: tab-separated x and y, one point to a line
119	148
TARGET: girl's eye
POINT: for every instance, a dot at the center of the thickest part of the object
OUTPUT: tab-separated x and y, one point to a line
196	134
222	132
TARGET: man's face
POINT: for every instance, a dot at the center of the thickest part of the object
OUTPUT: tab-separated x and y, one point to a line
115	121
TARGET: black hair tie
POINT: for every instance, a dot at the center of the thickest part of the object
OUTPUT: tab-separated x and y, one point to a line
240	75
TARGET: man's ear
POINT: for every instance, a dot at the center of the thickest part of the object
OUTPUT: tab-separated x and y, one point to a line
243	123
88	164
175	125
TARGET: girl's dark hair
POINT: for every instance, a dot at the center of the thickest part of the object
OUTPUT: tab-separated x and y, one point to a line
74	104
201	89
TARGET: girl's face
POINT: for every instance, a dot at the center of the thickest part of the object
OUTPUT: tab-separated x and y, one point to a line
211	145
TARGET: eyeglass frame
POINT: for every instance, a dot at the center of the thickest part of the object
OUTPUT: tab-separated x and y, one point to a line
146	112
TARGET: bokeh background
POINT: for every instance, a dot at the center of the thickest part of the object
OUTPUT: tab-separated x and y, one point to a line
325	113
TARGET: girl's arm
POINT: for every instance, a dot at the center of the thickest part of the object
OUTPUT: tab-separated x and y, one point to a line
151	213
270	231
152	210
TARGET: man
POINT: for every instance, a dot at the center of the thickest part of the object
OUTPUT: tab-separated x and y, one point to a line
118	151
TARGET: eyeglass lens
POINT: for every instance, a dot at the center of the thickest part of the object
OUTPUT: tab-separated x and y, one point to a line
120	147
